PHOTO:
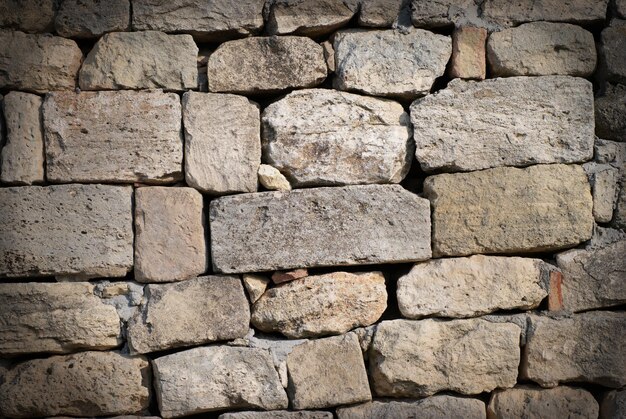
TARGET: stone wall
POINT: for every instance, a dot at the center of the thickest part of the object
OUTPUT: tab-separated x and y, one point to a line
313	209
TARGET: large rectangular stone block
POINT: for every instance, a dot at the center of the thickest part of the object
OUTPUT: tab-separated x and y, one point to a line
509	210
77	230
514	12
123	136
352	225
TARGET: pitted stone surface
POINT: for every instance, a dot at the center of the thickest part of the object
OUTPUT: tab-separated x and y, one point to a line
207	21
610	113
471	286
278	414
613	51
77	230
604	181
213	378
138	132
271	178
309	18
92	18
418	358
83	384
141	60
614	403
515	121
28	15
443	13
542	48
509	210
266	65
38	63
468	53
222	142
55	318
379	13
390	62
281	230
511	13
435	407
322	137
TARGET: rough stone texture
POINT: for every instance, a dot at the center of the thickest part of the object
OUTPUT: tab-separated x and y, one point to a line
56	318
542	48
207	21
393	63
216	378
285	276
574	11
319	305
620	8
603	179
587	347
271	178
610	113
504	122
277	414
281	230
22	154
169	234
77	230
192	312
38	63
613	51
28	15
92	18
141	60
81	384
255	286
509	210
466	287
222	142
419	358
266	65
279	349
329	56
436	407
530	402
379	13
594	277
327	372
614	403
468	53
324	137
120	136
443	13
308	18
555	292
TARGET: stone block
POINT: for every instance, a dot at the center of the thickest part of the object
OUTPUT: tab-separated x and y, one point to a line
92	18
435	407
510	13
468	53
28	15
308	18
610	113
603	179
613	51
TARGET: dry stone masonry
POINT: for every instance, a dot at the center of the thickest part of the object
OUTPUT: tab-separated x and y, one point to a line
298	209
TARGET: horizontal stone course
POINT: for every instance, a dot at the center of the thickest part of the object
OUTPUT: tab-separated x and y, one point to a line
510	13
28	15
92	18
309	18
435	407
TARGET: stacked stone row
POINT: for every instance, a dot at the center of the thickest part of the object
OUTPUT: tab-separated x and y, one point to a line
191	195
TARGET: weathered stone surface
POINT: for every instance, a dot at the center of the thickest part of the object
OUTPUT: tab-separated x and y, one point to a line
92	18
603	179
56	318
329	56
308	18
123	136
192	312
278	349
587	347
419	358
207	21
324	137
319	305
504	122
393	63
271	178
594	277
509	210
141	60
38	63
443	13
531	402
266	65
614	403
468	53
169	234
466	287
255	286
28	15
278	414
81	384
620	8
610	113
281	230
542	48
613	51
22	154
575	11
327	372
222	142
78	230
216	378
436	407
379	13
285	276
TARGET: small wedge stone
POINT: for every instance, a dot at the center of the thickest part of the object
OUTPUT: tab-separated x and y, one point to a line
271	178
468	53
255	286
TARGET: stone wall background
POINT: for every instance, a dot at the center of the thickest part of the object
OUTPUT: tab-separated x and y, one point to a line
313	209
